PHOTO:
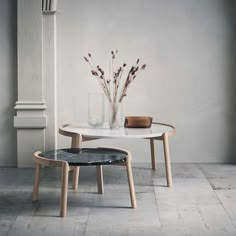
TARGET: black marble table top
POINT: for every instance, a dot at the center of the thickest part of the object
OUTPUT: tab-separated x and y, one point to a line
86	156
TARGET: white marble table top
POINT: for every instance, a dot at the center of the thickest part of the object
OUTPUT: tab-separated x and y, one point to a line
156	130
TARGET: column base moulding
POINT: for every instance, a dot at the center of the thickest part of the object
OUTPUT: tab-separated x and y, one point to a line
24	122
30	105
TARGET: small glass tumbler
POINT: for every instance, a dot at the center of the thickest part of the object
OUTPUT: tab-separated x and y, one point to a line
96	109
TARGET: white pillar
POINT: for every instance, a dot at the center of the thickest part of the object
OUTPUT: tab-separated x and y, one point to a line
36	106
49	78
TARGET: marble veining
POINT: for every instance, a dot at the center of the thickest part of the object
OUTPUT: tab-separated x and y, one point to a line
86	156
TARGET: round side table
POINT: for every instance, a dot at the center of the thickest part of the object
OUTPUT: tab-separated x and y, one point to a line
75	157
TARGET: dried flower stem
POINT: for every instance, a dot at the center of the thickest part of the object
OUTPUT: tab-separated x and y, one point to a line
118	82
97	71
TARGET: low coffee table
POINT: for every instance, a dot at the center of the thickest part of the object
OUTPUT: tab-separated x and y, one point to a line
74	157
158	131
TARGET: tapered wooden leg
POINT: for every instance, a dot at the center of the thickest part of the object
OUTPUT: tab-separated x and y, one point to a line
153	153
76	143
100	179
167	160
64	187
36	182
75	179
131	183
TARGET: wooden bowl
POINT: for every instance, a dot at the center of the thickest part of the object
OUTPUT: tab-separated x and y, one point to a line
138	122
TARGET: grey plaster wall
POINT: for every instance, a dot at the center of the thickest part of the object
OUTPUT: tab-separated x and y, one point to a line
189	49
8	82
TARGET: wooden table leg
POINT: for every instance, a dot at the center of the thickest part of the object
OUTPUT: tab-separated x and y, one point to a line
76	143
100	179
36	182
64	189
153	154
131	182
75	180
167	160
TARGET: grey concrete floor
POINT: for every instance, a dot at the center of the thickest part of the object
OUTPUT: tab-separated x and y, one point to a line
201	202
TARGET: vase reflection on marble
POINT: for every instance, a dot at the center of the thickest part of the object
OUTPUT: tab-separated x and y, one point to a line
96	109
115	115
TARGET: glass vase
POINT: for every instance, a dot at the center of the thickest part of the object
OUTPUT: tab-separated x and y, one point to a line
96	109
115	115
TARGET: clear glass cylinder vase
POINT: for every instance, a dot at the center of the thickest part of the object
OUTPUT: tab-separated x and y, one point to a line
96	109
115	115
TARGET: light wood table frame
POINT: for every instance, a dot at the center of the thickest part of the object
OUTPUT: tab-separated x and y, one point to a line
158	131
41	161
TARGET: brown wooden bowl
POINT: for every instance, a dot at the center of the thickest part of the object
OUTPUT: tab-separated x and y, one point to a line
138	122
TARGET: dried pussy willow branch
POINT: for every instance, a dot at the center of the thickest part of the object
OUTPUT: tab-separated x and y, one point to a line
116	79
